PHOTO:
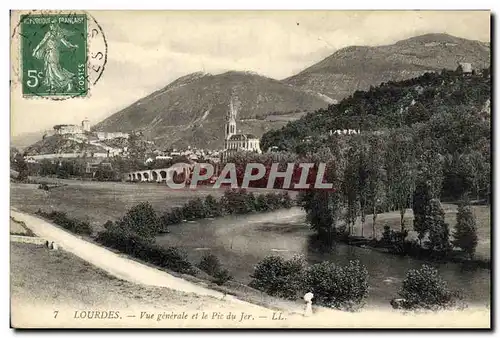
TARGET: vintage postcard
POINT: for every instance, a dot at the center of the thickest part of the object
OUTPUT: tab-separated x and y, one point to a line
250	169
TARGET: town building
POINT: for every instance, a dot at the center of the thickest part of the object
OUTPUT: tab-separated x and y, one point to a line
466	67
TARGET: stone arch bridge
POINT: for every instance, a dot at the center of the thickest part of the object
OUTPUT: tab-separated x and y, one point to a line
159	175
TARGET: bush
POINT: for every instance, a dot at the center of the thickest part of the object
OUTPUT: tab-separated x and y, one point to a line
60	218
175	216
261	203
140	220
83	228
213	207
286	200
210	264
138	247
194	209
279	277
238	201
176	260
424	288
341	287
222	276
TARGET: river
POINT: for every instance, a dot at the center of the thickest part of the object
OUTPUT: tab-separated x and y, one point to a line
240	242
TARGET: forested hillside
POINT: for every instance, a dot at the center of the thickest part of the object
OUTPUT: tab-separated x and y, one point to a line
434	128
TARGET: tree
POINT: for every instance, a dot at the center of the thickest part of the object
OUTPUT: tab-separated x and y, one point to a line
350	188
341	287
376	177
212	206
194	209
401	170
13	153
322	213
430	167
421	204
47	168
363	183
417	113
425	288
439	231
279	277
21	167
479	172
465	234
140	220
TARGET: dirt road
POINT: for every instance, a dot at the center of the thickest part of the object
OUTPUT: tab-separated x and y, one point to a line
115	264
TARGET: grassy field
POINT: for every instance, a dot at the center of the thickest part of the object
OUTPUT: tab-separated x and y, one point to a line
98	202
17	228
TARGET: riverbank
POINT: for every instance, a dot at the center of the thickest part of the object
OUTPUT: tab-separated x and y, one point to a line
72	289
454	256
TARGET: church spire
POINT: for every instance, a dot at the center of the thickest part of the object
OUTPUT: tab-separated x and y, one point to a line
230	128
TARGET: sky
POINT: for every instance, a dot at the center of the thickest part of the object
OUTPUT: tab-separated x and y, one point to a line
149	49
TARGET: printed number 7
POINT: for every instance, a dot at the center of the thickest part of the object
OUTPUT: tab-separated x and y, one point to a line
56	313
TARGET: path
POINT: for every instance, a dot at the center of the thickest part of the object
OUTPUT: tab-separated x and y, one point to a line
115	264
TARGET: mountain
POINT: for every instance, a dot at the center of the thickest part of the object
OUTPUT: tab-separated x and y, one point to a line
192	109
359	67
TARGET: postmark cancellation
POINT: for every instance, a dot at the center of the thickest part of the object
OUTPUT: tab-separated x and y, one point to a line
61	54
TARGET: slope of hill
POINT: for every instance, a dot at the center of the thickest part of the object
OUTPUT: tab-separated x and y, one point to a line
359	67
60	144
453	107
192	109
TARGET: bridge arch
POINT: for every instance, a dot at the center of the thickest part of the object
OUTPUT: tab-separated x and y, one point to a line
163	175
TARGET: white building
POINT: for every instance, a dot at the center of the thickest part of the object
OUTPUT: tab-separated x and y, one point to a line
67	129
345	132
72	129
466	67
102	135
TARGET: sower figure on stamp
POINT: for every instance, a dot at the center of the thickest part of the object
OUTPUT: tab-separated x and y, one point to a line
56	77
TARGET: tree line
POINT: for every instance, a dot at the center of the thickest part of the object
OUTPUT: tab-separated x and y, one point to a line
376	174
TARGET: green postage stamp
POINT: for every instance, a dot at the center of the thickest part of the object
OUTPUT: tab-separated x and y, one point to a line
54	55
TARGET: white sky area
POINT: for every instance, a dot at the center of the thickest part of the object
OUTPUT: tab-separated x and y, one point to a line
149	49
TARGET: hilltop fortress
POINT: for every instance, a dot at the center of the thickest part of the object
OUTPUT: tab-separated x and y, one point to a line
83	130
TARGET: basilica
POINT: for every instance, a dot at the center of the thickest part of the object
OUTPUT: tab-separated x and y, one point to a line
234	142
